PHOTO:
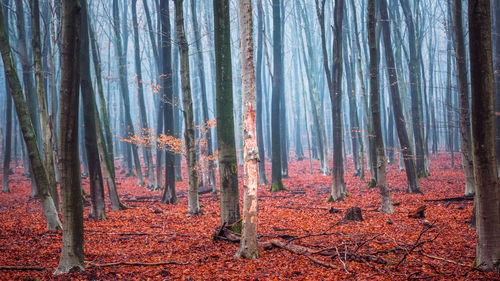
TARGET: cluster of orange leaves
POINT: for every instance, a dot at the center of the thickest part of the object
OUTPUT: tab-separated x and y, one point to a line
153	232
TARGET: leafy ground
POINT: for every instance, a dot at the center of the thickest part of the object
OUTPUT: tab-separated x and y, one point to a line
439	246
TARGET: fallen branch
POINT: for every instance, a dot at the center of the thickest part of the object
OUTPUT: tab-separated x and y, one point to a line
136	263
300	250
460	198
8	267
450	261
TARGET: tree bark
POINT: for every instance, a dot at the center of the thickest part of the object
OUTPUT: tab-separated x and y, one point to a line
463	98
72	253
8	120
248	243
98	211
483	136
168	101
187	102
228	170
385	193
260	95
276	181
41	94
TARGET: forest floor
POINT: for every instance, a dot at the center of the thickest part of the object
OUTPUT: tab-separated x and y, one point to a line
439	246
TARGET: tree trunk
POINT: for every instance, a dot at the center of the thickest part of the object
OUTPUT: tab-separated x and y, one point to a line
483	137
140	97
168	100
260	95
71	258
98	211
42	102
248	243
385	193
187	102
122	65
28	130
8	120
463	98
276	182
228	170
416	99
203	93
404	140
104	140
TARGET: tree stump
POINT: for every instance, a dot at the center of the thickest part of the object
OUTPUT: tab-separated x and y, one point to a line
353	214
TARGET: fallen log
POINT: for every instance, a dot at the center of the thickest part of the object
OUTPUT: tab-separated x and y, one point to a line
36	268
136	263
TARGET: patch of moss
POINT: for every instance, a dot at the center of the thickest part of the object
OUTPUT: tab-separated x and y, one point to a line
372	184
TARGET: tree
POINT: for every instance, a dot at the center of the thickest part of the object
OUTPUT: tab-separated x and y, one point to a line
98	211
140	96
8	121
209	179
228	170
483	136
104	139
28	129
334	80
187	102
399	118
248	242
72	241
385	193
276	175
463	98
122	65
167	115
416	98
260	94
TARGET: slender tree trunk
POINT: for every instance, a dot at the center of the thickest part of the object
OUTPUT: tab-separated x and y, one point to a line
248	244
122	65
449	92
169	195
416	98
140	97
28	130
228	170
204	104
483	136
260	95
98	211
104	140
187	102
496	61
42	102
276	182
8	121
72	241
404	140
385	193
463	98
